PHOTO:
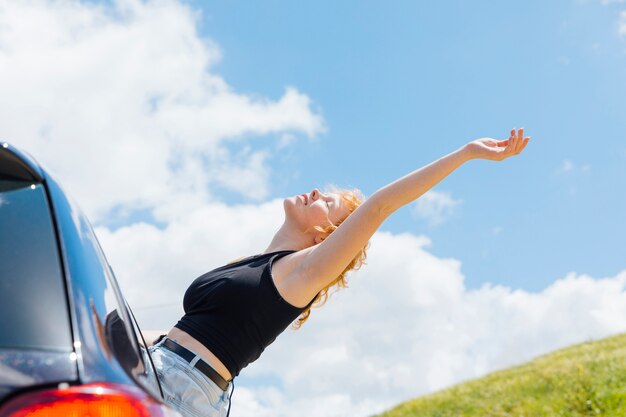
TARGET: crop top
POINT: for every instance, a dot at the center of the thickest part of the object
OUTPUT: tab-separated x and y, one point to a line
236	311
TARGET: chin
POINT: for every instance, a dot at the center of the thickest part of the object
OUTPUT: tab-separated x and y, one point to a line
289	206
289	201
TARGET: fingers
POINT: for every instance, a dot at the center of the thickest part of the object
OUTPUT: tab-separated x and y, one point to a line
510	149
517	142
526	139
513	141
502	149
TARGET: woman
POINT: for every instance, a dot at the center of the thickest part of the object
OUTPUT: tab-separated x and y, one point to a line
234	312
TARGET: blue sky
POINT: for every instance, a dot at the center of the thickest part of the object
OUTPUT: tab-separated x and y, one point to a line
178	127
404	84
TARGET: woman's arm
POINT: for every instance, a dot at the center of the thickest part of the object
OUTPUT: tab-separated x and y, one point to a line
410	187
324	262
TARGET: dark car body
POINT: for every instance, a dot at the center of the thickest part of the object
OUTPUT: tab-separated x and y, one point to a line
66	331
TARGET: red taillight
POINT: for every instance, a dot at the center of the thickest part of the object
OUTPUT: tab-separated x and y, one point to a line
92	400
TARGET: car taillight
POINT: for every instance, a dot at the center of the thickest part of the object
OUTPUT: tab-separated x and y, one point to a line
91	400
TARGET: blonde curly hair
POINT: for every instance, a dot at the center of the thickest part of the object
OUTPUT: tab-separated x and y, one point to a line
351	199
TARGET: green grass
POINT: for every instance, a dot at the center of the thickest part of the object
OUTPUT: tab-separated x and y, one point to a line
588	379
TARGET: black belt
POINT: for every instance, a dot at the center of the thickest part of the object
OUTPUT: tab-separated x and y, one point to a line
202	366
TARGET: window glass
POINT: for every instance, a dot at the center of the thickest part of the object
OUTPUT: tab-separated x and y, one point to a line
150	377
33	305
125	339
119	332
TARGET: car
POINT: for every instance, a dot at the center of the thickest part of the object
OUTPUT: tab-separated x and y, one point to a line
69	343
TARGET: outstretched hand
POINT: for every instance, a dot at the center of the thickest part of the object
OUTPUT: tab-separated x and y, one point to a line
498	150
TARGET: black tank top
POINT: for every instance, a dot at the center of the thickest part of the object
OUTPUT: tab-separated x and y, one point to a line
236	310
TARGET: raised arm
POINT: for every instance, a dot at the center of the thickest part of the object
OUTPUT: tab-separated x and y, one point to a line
323	262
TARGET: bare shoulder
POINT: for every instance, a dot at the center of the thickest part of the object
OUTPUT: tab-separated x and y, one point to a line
291	279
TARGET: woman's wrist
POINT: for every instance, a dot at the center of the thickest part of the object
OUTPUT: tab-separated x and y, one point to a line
467	152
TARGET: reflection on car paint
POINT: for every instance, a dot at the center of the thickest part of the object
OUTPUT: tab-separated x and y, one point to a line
21	368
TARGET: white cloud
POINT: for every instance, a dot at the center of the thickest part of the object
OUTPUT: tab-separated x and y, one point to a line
285	141
406	326
435	206
125	94
621	28
173	256
566	166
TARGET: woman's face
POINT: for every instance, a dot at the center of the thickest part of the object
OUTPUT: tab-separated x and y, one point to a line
315	209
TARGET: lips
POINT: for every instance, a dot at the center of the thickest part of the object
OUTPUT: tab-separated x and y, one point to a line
305	198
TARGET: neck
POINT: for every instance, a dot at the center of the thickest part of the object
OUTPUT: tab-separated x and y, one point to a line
288	239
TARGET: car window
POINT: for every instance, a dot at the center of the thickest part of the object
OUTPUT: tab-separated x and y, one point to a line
119	332
124	337
133	346
33	304
150	375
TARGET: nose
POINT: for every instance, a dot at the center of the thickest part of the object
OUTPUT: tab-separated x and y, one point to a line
315	194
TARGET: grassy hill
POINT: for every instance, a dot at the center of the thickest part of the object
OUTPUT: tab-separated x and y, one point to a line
588	379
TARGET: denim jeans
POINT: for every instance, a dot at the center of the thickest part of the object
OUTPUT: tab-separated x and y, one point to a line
187	389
